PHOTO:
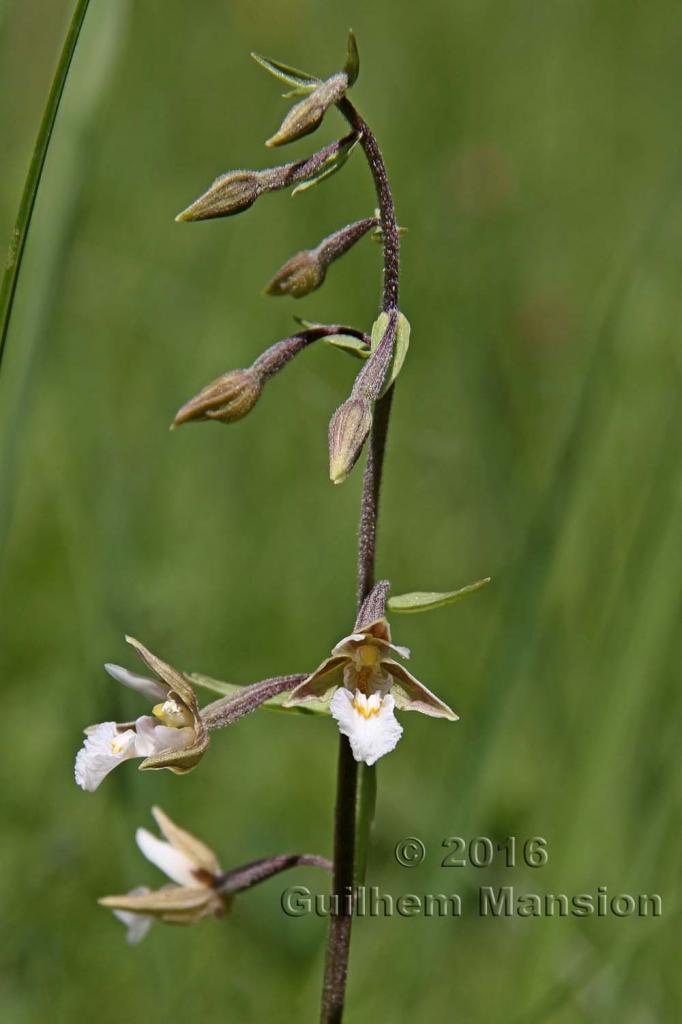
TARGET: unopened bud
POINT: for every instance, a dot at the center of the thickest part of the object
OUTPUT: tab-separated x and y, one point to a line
306	271
348	430
229	194
307	115
299	276
228	398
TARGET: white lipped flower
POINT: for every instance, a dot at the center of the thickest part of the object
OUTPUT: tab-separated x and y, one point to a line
194	871
173	736
368	684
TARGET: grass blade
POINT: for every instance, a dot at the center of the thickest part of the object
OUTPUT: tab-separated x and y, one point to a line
35	170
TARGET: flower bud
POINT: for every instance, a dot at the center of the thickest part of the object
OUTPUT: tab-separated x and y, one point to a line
299	276
228	398
306	271
307	115
229	194
348	429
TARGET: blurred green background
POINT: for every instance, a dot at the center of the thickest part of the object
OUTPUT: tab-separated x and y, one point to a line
536	157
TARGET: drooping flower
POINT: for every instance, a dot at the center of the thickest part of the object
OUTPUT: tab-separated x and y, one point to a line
174	736
366	684
192	867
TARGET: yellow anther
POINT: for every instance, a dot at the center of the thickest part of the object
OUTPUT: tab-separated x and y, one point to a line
369	656
172	714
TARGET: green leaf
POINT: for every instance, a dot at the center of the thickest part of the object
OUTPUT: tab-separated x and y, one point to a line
352	65
333	164
424	601
348	343
402	343
32	181
302	83
313	707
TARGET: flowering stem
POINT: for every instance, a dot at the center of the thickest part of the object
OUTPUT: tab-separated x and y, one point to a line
354	806
35	170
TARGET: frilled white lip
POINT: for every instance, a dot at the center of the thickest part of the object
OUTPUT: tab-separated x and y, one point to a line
368	722
109	744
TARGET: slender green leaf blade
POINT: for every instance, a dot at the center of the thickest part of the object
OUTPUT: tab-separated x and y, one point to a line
348	343
302	83
425	601
23	222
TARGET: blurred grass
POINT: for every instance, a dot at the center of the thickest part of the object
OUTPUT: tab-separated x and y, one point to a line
536	161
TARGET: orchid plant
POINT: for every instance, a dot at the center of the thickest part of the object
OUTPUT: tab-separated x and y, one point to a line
364	682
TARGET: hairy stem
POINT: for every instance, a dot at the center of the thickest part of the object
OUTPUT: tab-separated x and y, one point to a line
248	875
352	817
278	355
369	506
35	170
227	710
389	225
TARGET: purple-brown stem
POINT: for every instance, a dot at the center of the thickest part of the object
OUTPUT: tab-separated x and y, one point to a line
276	178
389	225
226	710
338	943
338	243
278	355
257	871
